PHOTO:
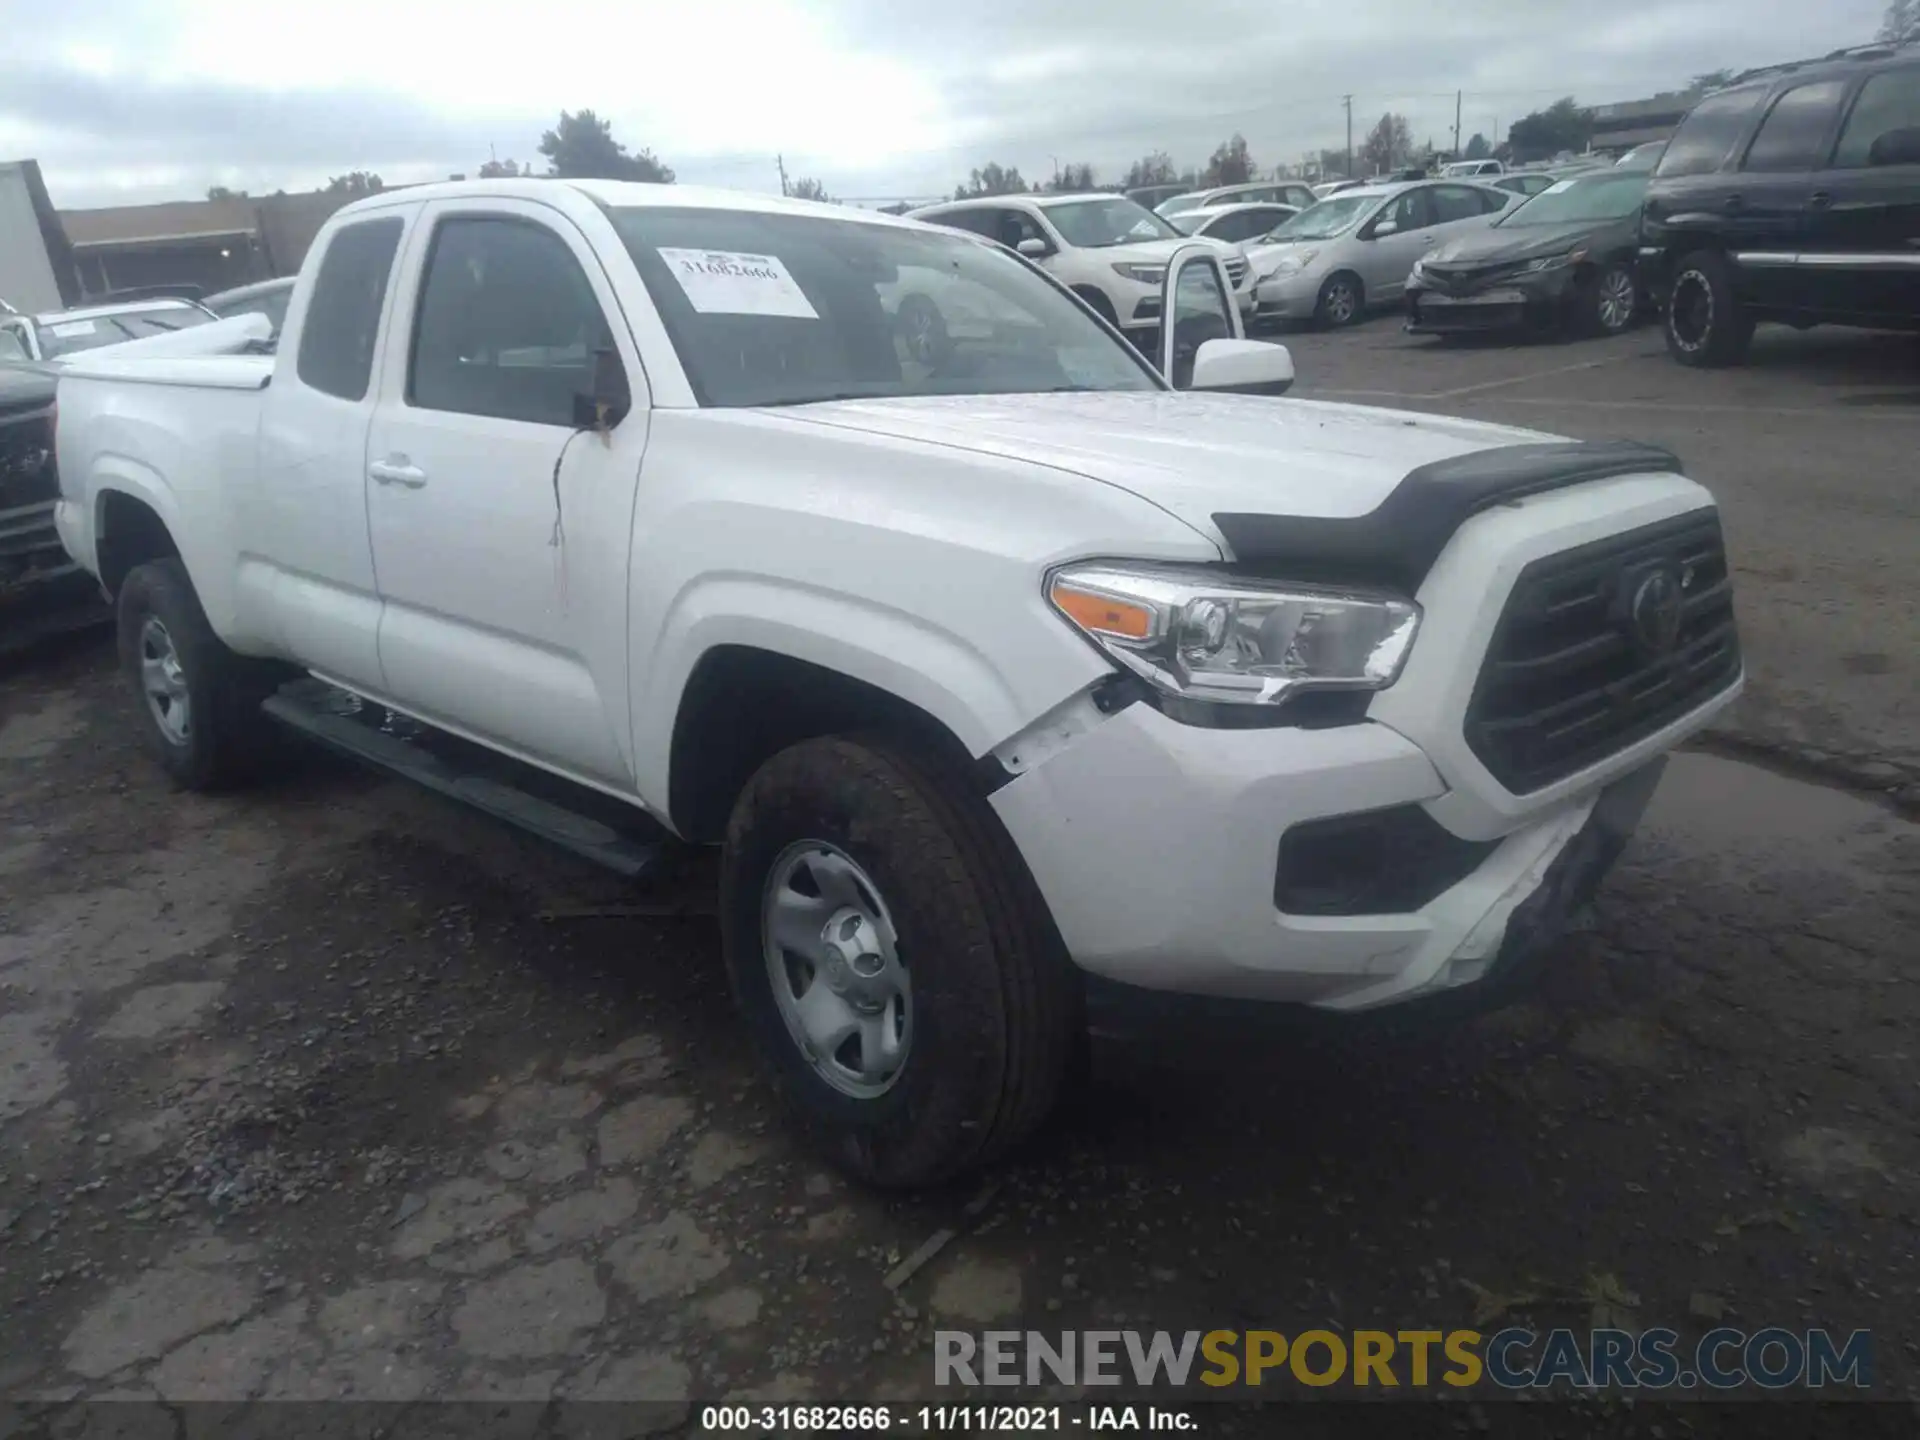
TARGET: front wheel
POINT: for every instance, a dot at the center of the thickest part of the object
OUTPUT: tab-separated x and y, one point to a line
893	961
1341	302
1611	302
1707	326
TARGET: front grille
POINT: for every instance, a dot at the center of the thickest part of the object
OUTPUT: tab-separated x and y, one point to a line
27	475
1236	270
1460	279
1572	676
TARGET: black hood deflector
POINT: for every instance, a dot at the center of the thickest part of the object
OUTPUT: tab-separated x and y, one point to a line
1396	543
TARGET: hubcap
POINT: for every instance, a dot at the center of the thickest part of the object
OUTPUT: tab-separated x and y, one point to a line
1616	300
833	958
920	344
1690	311
1340	304
164	683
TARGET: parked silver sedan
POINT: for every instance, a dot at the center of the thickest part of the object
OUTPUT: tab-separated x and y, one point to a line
1354	250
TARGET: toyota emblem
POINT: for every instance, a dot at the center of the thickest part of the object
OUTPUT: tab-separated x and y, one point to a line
1655	611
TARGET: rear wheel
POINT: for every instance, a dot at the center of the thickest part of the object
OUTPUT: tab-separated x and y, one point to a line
1706	324
893	961
1342	300
198	702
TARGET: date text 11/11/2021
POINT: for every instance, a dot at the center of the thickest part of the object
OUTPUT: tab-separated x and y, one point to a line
956	1419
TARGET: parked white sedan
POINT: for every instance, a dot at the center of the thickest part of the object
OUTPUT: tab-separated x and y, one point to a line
1355	250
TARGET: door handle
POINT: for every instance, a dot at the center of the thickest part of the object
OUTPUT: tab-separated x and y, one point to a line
1819	200
397	470
1735	202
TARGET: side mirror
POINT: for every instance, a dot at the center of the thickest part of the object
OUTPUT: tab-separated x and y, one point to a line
1034	248
1243	367
1380	228
610	401
1896	147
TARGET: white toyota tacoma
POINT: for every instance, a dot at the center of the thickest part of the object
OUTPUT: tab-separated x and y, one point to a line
1011	680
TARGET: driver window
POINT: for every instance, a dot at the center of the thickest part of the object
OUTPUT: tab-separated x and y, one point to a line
1200	313
508	324
1408	211
1015	226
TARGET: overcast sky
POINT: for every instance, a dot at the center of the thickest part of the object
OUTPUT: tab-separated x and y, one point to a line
125	101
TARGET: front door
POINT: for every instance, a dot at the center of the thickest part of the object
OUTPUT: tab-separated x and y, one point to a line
1399	235
1863	228
1766	205
501	527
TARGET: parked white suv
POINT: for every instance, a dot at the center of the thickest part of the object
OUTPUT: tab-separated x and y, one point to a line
1472	169
1012	683
1108	250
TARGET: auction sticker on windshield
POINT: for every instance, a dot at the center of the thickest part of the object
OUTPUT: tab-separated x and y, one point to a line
67	329
1557	187
725	282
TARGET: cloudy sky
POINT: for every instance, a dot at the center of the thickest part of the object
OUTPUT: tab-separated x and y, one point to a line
124	101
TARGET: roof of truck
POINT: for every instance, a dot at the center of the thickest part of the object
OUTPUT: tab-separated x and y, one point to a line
621	194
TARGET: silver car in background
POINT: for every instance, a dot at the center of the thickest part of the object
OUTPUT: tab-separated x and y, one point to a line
1354	250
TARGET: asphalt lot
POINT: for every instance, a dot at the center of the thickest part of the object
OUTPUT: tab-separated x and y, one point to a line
329	1090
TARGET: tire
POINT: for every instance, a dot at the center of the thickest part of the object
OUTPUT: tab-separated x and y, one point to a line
1102	306
1343	300
208	731
1609	303
987	1040
1706	324
923	329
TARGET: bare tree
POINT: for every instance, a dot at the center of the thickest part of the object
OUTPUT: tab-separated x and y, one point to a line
1902	23
992	179
1073	179
1154	169
808	188
1388	144
1230	163
503	170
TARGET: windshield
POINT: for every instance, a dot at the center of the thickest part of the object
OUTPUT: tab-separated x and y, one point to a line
1327	219
1096	224
67	337
769	309
1592	197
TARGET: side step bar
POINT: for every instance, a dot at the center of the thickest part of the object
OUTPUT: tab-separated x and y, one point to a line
620	837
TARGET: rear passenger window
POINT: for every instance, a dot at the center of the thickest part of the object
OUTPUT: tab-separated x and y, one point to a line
1455	202
1888	102
1706	137
508	324
1794	134
343	315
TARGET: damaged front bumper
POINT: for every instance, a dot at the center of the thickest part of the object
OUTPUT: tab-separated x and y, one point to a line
42	591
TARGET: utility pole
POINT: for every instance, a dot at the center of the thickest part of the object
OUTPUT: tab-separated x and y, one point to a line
781	161
1347	100
1457	97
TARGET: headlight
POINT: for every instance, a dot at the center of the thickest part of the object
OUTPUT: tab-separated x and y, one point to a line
1202	636
1556	262
1293	263
1141	274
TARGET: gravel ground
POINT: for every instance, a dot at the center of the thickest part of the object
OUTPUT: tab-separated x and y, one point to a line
330	1090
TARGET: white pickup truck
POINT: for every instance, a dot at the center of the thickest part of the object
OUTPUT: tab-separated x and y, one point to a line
1014	682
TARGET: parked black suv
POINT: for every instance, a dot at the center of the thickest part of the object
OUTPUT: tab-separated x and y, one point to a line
1793	197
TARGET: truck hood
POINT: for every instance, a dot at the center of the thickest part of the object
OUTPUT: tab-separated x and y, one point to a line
1524	242
1193	455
